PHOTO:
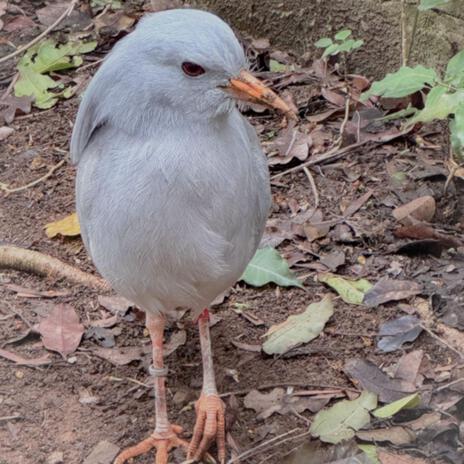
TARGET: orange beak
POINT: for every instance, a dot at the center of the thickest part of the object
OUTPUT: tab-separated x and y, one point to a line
248	88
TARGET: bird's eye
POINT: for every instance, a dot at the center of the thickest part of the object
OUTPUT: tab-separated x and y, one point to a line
192	69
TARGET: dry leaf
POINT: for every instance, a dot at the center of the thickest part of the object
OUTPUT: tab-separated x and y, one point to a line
103	453
19	23
391	290
390	458
421	209
5	132
69	226
119	356
177	339
61	330
291	143
21	361
12	106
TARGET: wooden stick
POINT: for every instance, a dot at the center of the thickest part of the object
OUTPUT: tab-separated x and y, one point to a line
19	50
20	259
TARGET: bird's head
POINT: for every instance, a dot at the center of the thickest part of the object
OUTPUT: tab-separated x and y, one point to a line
190	62
178	67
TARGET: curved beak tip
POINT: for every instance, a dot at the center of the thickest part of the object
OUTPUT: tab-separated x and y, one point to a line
247	87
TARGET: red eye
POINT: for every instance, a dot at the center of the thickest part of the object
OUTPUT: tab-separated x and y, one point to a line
192	69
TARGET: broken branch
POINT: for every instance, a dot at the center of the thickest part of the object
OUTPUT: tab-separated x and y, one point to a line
20	259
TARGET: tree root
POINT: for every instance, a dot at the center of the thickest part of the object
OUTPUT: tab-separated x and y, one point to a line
20	259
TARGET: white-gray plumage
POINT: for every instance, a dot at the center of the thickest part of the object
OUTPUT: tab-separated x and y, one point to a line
172	186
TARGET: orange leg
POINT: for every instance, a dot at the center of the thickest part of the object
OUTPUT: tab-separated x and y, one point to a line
210	423
165	437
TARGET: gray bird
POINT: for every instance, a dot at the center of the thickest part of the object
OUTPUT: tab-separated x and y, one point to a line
172	187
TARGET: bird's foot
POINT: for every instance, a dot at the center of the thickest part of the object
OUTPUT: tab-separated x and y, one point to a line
162	442
210	425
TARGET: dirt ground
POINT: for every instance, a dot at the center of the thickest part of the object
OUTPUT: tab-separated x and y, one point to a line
49	413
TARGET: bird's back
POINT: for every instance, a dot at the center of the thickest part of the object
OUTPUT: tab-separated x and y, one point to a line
172	219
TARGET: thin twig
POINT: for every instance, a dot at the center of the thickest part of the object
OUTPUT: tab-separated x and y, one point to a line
413	35
91	65
19	50
286	384
314	189
332	154
34	182
404	40
10	86
441	340
450	384
345	119
8	418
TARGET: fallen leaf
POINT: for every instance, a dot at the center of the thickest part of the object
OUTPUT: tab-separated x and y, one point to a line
315	228
5	132
116	304
50	13
373	379
395	434
247	347
351	291
343	419
333	260
19	23
277	401
21	361
119	356
103	453
397	332
12	106
106	323
421	209
268	266
390	458
423	232
299	328
100	335
69	227
391	290
177	339
113	24
408	367
61	330
389	410
291	143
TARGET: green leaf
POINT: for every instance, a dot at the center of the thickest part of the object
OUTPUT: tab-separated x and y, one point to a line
351	291
457	131
299	328
115	4
403	82
429	4
438	105
341	421
342	35
371	452
31	83
268	266
323	43
332	50
275	66
389	410
455	69
358	43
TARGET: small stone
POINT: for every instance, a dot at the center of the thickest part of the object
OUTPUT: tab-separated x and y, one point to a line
103	453
72	360
56	457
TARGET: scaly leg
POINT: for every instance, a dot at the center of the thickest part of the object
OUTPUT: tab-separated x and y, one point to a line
210	423
165	437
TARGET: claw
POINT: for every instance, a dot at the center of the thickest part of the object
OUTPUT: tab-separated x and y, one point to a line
210	425
162	444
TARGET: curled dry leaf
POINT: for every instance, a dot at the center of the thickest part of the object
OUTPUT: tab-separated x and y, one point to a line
12	106
421	209
61	330
115	304
391	290
291	143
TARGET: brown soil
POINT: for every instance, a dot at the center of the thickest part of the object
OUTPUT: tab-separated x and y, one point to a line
47	399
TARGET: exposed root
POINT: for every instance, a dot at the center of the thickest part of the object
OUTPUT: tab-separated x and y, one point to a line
20	259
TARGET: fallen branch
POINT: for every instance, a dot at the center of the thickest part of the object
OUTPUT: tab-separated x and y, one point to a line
6	189
20	259
19	50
